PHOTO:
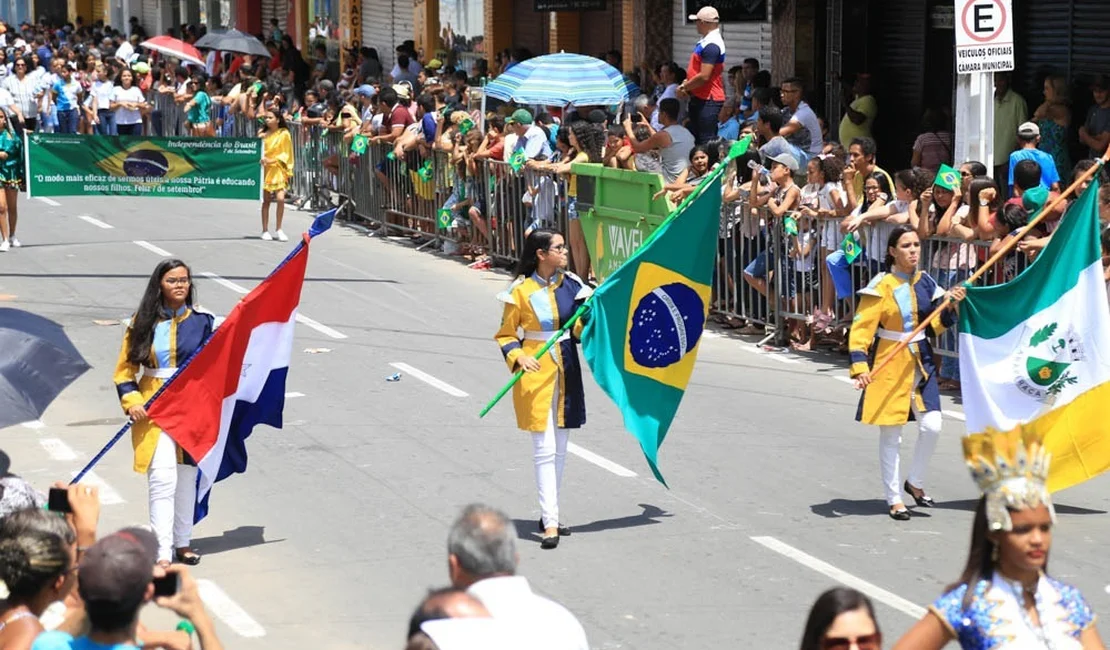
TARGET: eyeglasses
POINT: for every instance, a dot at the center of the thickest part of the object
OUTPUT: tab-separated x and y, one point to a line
869	642
173	282
557	249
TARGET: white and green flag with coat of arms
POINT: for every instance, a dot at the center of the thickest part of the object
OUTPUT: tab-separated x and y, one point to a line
1036	350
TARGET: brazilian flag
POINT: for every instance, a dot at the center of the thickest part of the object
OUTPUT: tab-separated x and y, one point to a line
647	318
146	160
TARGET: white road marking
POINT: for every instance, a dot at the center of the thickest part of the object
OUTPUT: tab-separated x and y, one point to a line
96	222
321	328
34	424
428	379
301	318
875	592
227	284
108	494
51	202
846	380
293	394
228	610
152	248
57	450
600	461
955	415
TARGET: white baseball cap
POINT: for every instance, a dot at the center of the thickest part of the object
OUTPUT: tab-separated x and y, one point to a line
706	15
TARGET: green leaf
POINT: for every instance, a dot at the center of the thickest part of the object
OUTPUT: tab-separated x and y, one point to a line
1041	335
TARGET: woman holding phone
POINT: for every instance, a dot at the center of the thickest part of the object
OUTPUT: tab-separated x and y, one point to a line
166	330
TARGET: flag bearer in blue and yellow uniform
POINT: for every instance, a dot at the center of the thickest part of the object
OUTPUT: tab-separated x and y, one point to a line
166	329
890	307
549	399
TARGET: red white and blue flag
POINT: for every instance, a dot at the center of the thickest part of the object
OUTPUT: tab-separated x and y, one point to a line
236	380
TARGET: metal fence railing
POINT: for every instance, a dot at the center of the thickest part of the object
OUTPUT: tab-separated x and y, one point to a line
783	286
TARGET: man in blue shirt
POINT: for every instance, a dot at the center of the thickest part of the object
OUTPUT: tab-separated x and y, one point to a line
1029	136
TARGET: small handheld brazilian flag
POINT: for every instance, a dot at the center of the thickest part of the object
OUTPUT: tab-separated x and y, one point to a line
851	247
359	144
517	160
444	220
465	126
947	178
425	171
790	225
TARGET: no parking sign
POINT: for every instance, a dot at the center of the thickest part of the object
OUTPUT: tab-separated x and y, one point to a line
984	36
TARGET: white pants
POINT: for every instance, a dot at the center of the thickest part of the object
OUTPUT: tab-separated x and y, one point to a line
173	495
890	439
549	455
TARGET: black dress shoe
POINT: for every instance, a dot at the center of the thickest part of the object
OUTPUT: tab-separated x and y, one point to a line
900	515
563	530
549	542
924	501
187	557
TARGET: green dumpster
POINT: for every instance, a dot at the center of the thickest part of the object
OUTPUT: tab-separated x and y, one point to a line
617	212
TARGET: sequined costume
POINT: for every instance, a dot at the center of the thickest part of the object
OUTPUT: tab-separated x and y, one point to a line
995	618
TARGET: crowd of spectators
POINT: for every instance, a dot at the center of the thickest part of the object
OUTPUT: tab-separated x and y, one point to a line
489	179
63	586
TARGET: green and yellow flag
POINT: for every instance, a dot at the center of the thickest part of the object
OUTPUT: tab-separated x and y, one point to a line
646	321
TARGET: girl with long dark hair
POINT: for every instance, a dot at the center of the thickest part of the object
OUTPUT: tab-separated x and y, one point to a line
840	619
548	399
38	564
1005	598
166	329
277	161
890	308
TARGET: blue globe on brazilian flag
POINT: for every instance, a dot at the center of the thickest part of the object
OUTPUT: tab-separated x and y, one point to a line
146	160
647	319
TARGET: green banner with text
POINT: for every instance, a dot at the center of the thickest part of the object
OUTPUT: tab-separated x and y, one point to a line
85	165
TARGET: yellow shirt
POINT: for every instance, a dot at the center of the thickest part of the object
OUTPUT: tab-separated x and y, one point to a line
867	105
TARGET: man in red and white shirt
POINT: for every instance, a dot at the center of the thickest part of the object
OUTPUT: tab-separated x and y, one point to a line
704	84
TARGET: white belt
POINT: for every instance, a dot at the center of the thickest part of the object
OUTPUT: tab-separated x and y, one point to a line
534	335
891	335
159	373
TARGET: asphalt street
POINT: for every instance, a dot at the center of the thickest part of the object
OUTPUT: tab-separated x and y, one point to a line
339	526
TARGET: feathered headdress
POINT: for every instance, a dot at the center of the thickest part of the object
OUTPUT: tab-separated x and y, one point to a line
1011	470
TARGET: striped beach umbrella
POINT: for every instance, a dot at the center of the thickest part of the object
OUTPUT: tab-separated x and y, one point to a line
560	79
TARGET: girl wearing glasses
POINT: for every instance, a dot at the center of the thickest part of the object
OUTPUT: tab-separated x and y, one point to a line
166	329
548	399
842	619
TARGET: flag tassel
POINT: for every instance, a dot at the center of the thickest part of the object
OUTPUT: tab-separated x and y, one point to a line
738	149
994	259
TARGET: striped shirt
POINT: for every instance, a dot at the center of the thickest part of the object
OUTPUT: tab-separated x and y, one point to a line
23	92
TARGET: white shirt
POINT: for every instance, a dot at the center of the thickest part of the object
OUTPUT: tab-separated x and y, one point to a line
550	625
125	51
124	115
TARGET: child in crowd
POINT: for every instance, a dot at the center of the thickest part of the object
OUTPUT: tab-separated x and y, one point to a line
825	204
782	200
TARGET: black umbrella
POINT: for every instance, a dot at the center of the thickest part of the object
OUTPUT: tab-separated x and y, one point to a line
37	362
236	41
208	41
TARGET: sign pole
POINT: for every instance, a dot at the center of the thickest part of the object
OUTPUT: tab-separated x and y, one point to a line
986	94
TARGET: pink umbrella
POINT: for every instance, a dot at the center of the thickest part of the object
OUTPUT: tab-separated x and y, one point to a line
176	48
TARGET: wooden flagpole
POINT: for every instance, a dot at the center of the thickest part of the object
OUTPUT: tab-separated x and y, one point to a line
1005	250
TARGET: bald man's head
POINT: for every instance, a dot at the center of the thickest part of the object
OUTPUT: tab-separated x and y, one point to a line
449	602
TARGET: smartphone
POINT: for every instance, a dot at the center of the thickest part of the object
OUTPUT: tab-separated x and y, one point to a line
58	500
166	585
